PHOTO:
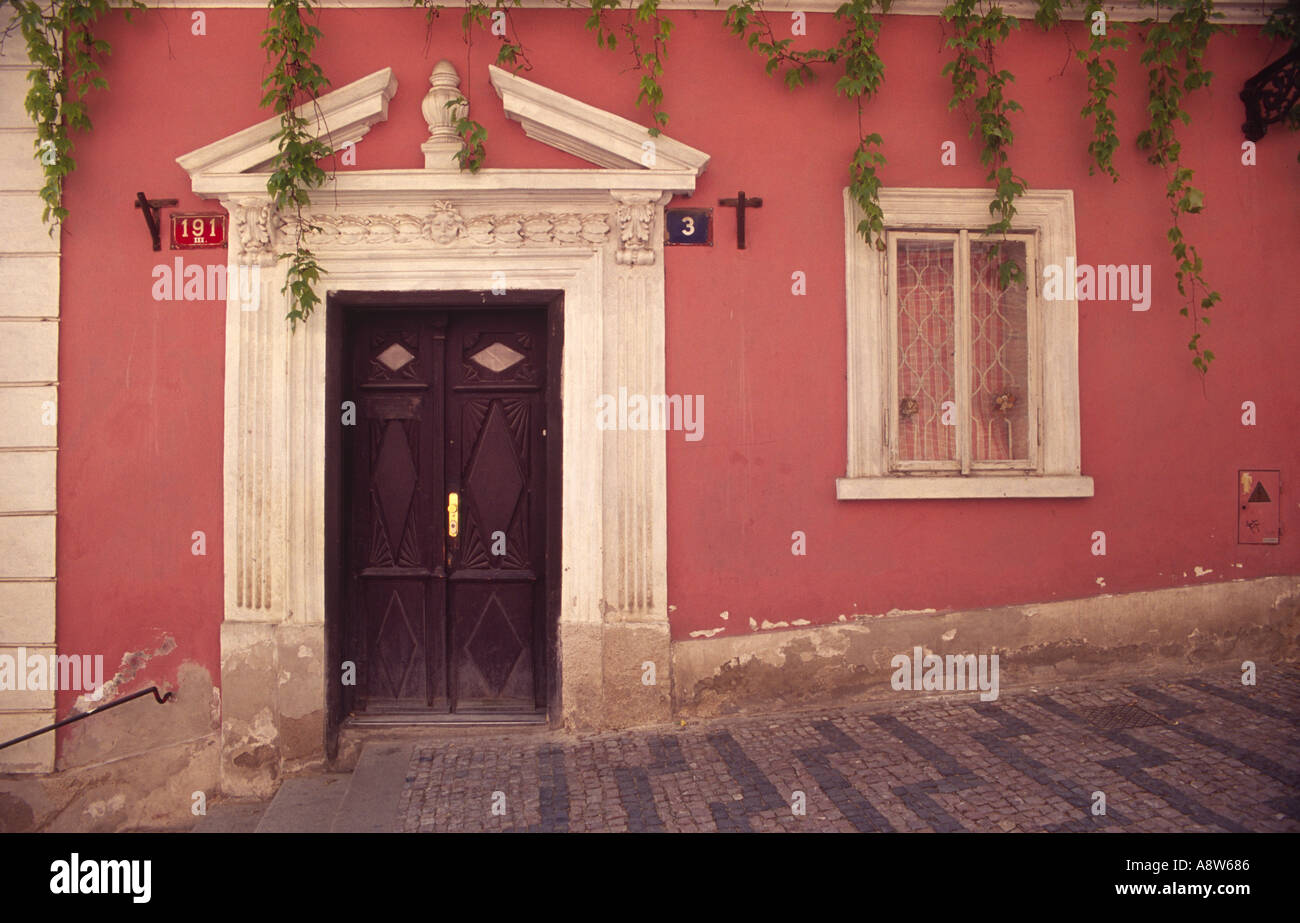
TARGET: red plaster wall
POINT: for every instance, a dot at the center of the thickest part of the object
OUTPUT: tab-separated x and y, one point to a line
142	380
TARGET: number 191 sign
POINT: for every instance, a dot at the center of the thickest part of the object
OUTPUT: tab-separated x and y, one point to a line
198	231
688	226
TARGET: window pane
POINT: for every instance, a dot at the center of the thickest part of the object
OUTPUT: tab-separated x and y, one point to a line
926	350
999	352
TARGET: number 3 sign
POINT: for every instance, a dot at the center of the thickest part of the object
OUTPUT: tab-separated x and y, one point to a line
687	226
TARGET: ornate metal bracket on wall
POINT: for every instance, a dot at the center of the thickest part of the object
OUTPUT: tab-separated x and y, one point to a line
1272	94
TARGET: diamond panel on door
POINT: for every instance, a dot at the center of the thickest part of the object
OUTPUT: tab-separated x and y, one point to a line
396	588
496	407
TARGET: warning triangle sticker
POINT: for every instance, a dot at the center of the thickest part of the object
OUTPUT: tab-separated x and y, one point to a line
1260	495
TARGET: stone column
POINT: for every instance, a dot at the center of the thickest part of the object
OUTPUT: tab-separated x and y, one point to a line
255	494
636	636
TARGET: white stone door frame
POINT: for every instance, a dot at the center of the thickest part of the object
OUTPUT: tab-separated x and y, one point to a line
593	234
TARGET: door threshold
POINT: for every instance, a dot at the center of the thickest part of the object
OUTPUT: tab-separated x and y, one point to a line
417	719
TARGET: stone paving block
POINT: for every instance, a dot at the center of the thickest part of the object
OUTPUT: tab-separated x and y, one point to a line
1221	757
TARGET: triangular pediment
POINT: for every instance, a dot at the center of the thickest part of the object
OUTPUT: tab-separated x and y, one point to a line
597	136
344	115
341	115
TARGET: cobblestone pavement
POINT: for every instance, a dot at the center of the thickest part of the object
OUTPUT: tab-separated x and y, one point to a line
1200	753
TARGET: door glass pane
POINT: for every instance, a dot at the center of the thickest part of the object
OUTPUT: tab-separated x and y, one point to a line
926	350
999	351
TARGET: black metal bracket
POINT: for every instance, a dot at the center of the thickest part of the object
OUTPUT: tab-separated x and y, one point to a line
160	699
152	209
1271	94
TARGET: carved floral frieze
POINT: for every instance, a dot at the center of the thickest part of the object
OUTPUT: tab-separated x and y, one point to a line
445	226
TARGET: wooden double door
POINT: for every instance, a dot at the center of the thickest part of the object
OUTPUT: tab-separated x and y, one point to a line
445	511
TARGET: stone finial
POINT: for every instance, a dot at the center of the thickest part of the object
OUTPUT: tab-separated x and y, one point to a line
444	87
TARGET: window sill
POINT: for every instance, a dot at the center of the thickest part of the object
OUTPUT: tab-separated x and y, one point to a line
952	488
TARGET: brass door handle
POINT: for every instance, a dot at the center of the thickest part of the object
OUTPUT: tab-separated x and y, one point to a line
453	515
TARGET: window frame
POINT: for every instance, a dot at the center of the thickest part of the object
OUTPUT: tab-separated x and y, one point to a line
965	463
1046	217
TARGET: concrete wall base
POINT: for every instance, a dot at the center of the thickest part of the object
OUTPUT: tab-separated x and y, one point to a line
1132	634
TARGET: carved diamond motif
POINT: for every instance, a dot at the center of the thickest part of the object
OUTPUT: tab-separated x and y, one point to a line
396	634
493	477
498	357
394	480
395	357
494	647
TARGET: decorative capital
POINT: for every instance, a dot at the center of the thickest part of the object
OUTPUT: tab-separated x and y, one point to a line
444	88
255	222
636	214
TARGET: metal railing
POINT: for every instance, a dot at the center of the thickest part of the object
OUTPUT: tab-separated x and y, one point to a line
165	697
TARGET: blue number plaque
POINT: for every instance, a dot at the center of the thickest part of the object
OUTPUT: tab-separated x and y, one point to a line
688	226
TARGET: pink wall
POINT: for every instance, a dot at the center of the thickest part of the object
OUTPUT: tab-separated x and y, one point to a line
141	393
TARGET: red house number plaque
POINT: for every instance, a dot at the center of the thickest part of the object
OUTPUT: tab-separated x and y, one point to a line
198	231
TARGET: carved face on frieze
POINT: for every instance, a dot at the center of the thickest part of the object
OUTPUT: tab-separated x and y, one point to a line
445	223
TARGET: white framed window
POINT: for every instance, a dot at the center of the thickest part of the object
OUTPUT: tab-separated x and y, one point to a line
958	387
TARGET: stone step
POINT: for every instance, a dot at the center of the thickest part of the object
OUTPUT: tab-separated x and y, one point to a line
371	801
305	804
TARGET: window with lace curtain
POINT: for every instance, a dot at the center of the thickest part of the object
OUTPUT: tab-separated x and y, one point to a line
960	386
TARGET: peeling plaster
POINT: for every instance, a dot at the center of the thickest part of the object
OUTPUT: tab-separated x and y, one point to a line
724	615
949	634
708	632
1202	571
753	626
132	663
98	809
768	626
1101	582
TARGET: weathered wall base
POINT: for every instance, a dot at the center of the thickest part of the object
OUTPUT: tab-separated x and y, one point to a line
136	767
1171	630
273	717
606	668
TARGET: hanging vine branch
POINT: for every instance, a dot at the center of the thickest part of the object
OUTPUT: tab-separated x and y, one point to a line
65	66
1100	67
294	79
647	46
864	73
748	21
978	30
1173	51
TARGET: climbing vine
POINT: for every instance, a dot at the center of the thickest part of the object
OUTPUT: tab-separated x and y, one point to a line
1173	51
65	58
978	29
294	79
863	75
1101	71
647	32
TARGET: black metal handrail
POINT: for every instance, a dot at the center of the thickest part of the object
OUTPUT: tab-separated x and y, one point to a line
166	697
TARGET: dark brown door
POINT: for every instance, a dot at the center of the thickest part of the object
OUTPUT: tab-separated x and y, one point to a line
448	403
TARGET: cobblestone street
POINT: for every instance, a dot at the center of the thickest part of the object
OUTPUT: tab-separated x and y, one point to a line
1197	753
